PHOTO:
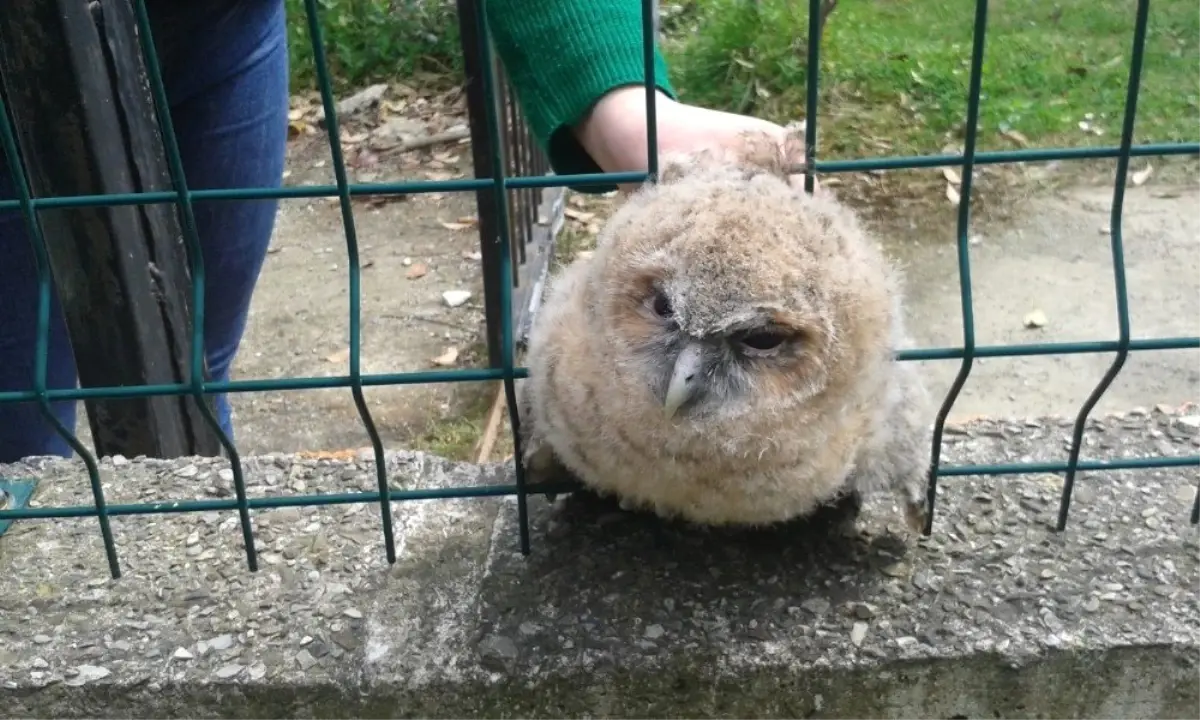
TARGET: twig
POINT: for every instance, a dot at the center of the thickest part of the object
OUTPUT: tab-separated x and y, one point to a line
492	429
435	139
826	8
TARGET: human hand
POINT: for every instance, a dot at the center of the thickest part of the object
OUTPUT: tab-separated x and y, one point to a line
614	132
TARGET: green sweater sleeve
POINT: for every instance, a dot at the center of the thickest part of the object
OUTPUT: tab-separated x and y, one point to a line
561	56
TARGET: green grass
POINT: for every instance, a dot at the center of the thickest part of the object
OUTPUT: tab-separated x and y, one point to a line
894	73
370	40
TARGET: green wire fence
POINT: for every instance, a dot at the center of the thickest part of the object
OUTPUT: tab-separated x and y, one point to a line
499	184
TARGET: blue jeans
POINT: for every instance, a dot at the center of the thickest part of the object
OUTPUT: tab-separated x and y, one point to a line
225	68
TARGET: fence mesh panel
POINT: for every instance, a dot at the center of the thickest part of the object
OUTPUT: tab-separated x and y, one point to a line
509	227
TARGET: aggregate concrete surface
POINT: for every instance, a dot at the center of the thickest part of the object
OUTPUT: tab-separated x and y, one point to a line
613	613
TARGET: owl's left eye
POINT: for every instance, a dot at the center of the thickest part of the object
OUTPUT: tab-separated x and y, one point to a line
762	341
661	305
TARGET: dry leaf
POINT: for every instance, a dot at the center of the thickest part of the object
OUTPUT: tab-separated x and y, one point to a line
1141	176
952	195
952	176
578	215
416	272
447	358
338	357
1016	137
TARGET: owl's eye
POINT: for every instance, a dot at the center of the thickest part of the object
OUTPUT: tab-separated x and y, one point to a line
662	306
762	341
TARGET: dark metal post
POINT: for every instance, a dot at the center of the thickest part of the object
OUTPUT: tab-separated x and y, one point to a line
490	246
73	75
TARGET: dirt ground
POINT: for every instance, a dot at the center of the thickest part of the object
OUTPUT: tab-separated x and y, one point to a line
1045	251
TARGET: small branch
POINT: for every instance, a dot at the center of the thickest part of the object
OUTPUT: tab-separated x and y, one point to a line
436	139
826	7
492	430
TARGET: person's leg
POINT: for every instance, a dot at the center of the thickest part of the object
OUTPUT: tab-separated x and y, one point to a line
24	430
225	68
229	101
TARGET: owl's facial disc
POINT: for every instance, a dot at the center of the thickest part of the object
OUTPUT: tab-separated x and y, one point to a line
686	378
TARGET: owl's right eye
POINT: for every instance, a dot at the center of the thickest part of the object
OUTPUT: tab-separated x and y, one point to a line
662	306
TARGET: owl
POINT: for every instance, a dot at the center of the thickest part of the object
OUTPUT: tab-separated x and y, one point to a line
726	355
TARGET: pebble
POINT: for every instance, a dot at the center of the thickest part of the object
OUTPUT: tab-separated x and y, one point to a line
1092	604
39	663
305	659
816	606
353	613
41	639
257	671
87	673
182	654
497	652
226	474
456	298
858	633
906	641
654	632
221	642
227	671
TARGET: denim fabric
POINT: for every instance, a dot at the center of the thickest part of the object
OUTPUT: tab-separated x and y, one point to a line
225	68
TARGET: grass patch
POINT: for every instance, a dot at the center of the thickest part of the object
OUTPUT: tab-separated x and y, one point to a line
371	40
894	74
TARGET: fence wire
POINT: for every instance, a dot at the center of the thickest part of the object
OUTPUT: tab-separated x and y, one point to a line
500	183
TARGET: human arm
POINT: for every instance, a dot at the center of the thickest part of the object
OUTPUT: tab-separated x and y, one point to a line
577	68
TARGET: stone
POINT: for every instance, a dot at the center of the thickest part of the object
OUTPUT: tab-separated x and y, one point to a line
456	298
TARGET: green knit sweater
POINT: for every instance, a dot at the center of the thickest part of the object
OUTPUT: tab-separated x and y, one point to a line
561	56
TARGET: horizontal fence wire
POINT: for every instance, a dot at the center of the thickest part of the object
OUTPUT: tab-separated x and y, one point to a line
500	183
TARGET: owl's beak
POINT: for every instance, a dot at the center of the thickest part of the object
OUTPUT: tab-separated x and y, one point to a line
685	379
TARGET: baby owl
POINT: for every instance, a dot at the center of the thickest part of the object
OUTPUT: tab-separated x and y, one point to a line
726	355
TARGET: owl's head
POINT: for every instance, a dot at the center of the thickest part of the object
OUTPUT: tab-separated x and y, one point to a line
726	292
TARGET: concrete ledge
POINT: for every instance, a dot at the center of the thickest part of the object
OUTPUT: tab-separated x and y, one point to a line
996	615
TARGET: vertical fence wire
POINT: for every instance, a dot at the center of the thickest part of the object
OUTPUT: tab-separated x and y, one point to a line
343	192
812	73
974	96
506	268
196	259
649	44
42	346
1118	257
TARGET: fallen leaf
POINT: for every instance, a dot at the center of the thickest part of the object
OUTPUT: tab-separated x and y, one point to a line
296	128
447	358
416	272
1016	137
952	176
952	195
338	357
1036	319
1141	176
578	214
